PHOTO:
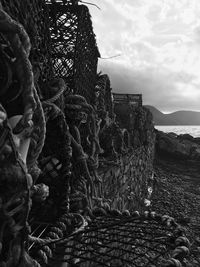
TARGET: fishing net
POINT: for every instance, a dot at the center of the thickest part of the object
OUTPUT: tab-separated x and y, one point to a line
33	15
125	240
74	49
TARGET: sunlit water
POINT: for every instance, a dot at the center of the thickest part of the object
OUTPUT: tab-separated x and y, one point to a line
182	129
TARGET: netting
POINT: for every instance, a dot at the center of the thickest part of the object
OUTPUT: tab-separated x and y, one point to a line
62	39
74	52
63	28
86	56
33	15
124	240
15	184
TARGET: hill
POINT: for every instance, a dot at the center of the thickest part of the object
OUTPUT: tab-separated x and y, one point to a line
182	117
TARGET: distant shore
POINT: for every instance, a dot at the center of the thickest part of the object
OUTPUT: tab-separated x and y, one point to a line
181	117
193	130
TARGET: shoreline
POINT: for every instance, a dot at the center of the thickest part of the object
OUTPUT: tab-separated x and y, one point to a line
177	193
193	130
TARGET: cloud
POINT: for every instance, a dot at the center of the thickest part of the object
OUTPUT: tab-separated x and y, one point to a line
164	89
159	44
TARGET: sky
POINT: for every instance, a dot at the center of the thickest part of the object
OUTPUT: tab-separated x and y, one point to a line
153	48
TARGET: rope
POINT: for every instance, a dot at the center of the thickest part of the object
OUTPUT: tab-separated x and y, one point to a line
58	234
123	239
62	87
38	134
20	44
21	192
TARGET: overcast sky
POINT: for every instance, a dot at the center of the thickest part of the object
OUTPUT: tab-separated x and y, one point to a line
159	46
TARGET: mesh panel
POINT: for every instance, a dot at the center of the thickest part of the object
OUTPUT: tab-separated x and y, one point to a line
33	15
62	40
63	27
86	56
74	46
121	241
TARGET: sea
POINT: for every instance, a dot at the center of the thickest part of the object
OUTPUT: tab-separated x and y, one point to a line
193	130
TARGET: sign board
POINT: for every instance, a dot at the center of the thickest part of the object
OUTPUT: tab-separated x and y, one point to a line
134	100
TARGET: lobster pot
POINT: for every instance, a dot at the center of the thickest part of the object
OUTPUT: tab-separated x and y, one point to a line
74	49
146	240
33	15
104	101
